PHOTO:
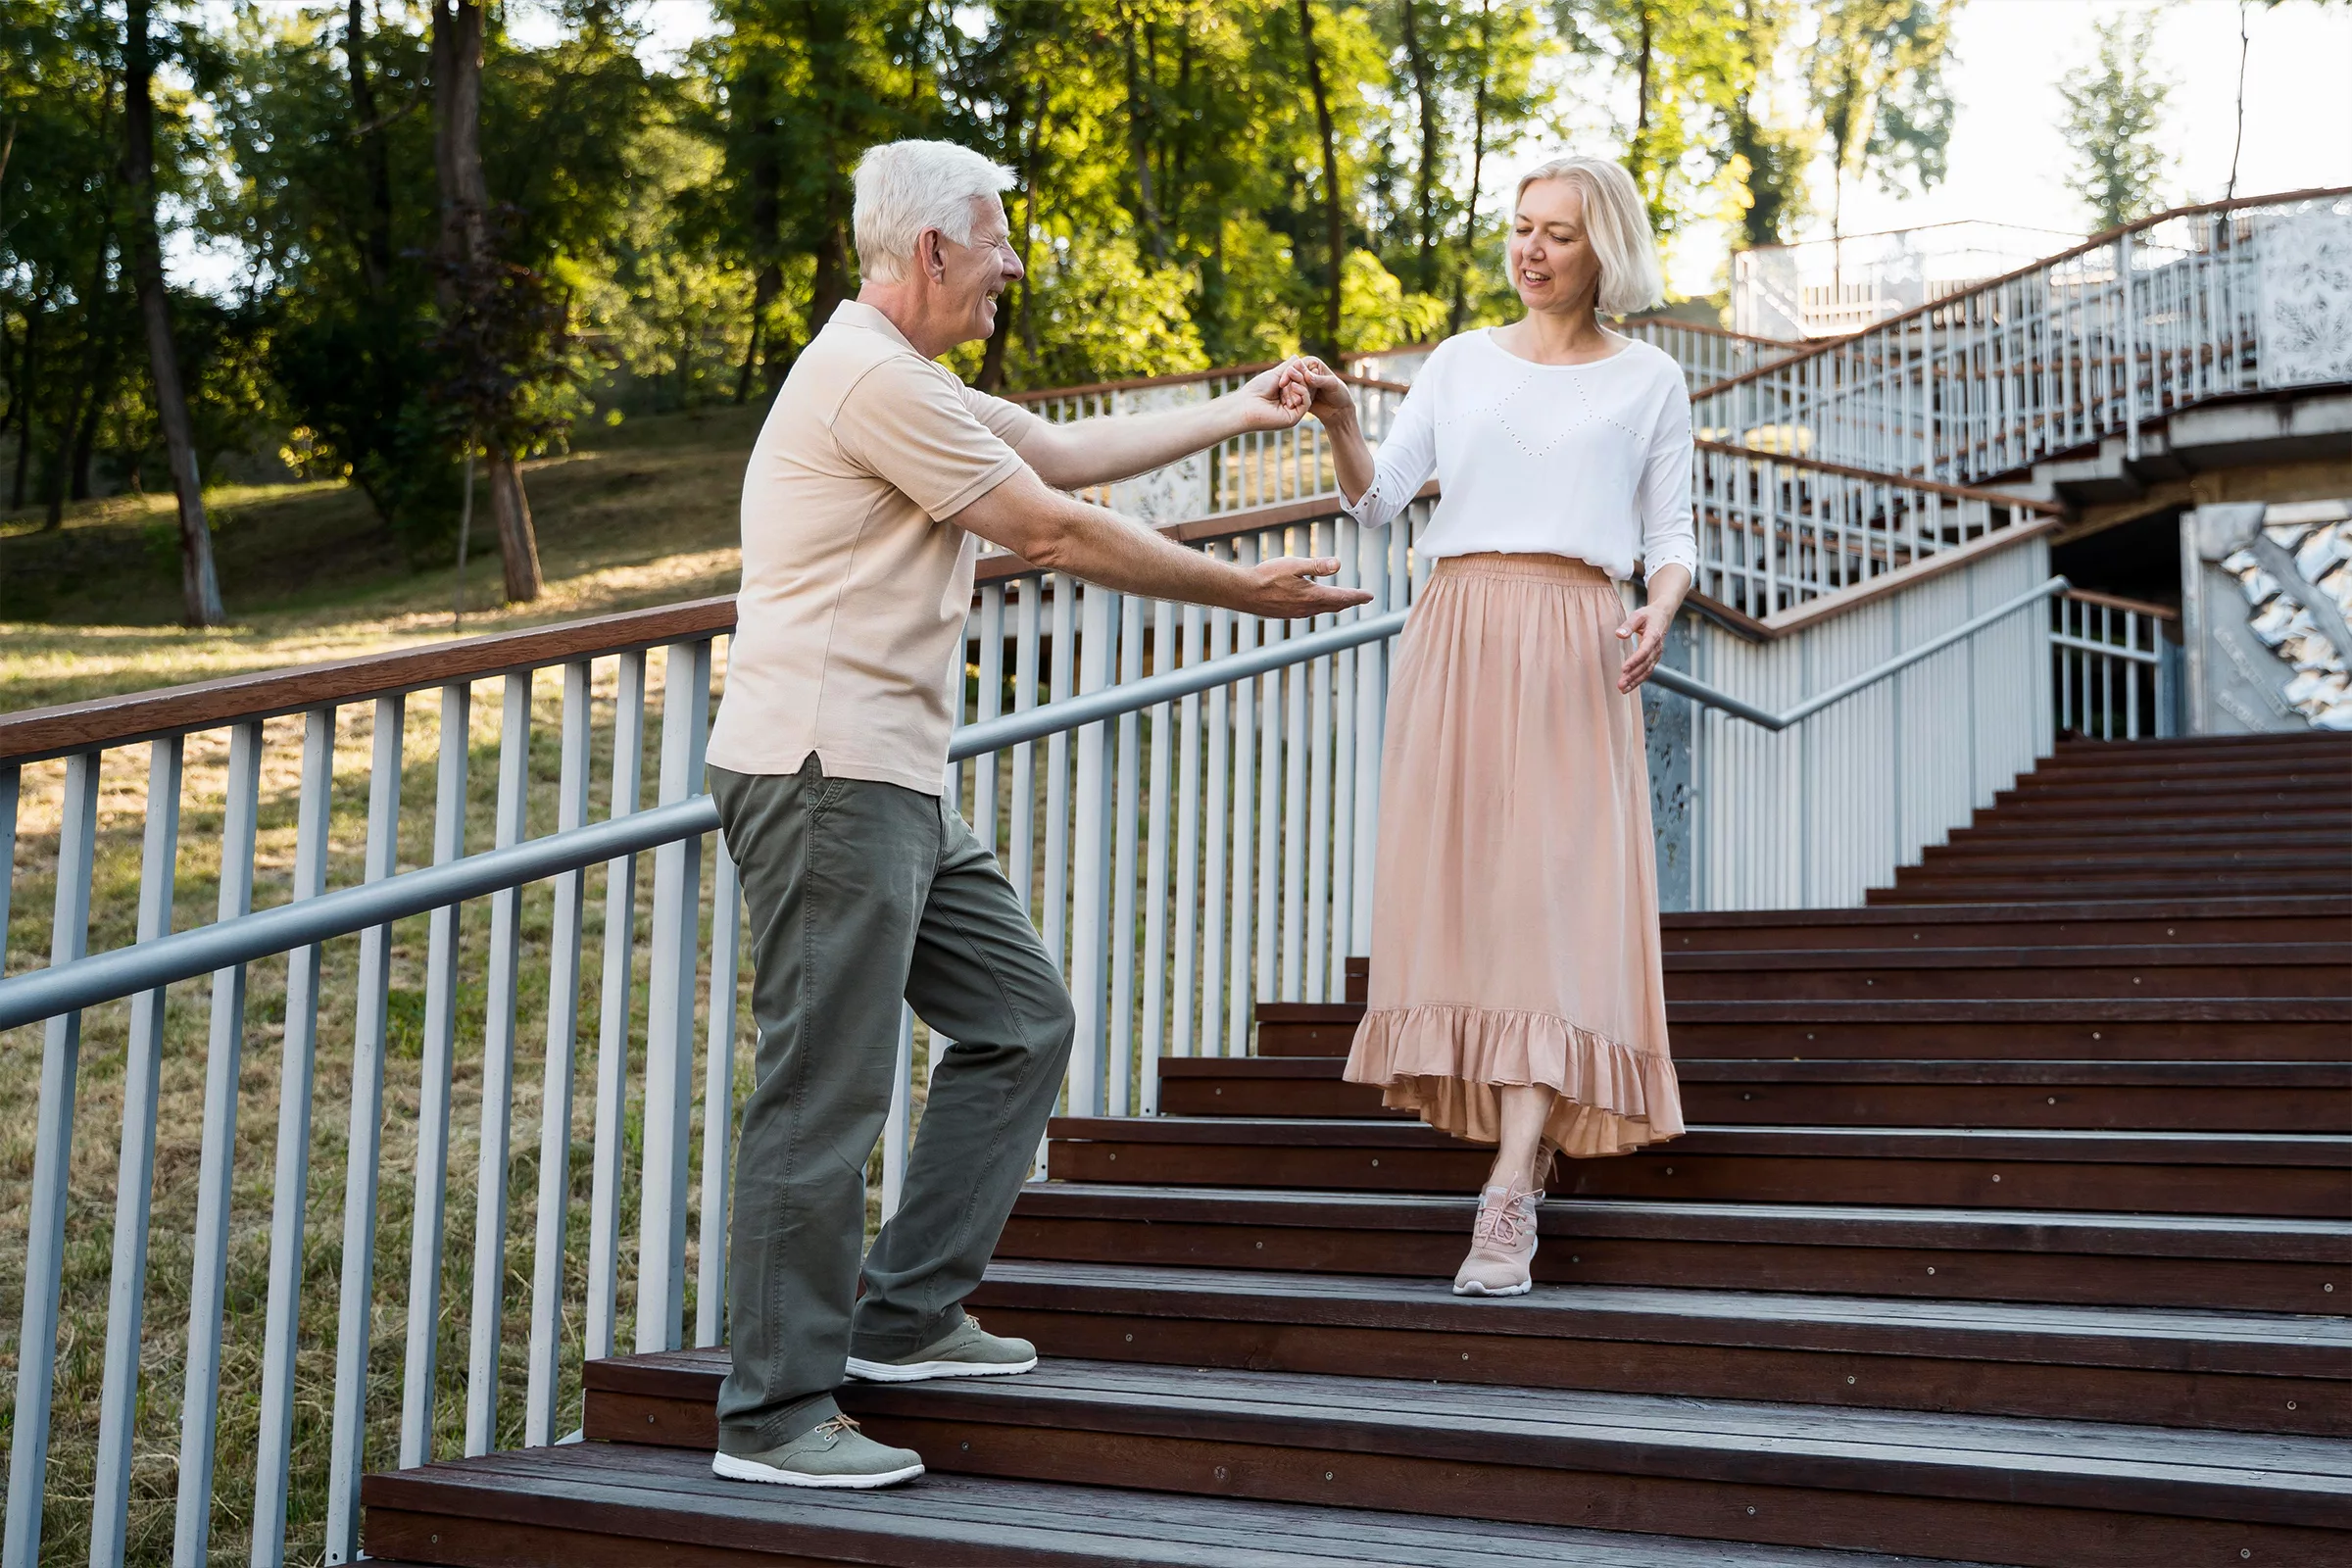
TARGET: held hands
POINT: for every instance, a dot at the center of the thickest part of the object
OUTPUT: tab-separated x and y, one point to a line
1285	590
1272	400
1646	628
1327	396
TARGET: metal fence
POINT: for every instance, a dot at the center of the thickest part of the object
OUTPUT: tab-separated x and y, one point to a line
2115	667
2096	341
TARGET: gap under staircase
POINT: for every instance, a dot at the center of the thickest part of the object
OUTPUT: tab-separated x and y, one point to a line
2014	1226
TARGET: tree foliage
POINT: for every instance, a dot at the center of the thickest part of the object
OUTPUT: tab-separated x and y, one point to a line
2114	106
1198	182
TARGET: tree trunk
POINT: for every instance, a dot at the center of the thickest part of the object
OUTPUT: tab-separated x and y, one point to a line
200	585
1425	177
457	54
85	438
831	284
1334	236
1477	169
376	249
28	362
517	540
764	289
766	178
1139	154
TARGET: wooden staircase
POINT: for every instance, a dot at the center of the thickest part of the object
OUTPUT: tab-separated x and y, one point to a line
2014	1226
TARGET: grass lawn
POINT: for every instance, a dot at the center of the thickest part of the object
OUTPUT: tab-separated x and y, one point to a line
646	515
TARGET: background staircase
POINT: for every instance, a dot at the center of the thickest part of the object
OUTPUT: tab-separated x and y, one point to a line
2014	1226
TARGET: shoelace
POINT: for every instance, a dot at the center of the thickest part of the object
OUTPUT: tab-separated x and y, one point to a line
841	1426
1506	1226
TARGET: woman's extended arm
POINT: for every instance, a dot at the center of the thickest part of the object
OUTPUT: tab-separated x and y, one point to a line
1669	544
1376	488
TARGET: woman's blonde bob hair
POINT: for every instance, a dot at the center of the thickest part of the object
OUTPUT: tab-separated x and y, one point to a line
1618	224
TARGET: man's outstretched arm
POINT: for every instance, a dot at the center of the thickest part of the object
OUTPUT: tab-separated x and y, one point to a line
1091	452
1050	530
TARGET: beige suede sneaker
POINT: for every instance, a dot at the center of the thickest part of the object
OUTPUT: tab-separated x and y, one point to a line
1502	1244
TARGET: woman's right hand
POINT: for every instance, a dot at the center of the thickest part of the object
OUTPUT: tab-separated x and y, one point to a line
1328	395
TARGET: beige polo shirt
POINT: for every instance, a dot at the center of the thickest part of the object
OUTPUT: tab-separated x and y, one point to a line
851	617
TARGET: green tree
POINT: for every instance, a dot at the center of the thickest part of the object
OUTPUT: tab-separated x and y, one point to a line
1876	80
1768	153
2113	109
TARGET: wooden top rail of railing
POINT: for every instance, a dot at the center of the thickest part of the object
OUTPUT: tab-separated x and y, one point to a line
1895	481
2137	607
44	732
1815	348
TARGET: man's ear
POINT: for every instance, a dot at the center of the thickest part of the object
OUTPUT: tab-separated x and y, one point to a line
931	253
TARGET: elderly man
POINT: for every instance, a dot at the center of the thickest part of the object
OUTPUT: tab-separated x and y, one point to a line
874	474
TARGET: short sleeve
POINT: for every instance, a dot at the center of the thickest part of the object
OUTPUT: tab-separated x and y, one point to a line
1012	423
909	423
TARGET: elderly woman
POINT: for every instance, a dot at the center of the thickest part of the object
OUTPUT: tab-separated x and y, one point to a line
1515	993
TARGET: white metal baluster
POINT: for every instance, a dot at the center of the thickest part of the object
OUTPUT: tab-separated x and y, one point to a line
601	1317
225	1057
1241	833
564	924
10	787
1155	866
991	704
1057	788
718	1103
52	1164
898	1126
1217	832
1182	1039
2131	677
669	1008
1089	869
134	1174
486	1320
1371	676
1318	822
1119	1046
1023	801
1335	751
432	1115
1273	716
296	1070
355	1298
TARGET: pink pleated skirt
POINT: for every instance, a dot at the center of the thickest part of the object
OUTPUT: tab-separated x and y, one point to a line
1515	932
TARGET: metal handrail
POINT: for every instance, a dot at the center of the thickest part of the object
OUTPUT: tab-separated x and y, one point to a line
182	956
1701	692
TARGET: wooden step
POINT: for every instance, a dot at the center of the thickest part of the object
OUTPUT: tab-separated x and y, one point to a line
2251	852
2299	1175
2198	970
2180	788
2190	777
2252	1372
2045	1494
2097	810
2139	1097
1915	886
2233	1263
2143	835
593	1504
1966	925
2078	749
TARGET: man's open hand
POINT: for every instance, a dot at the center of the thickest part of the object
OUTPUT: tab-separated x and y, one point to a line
1286	589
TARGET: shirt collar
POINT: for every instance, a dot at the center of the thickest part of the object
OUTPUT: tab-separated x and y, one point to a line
853	312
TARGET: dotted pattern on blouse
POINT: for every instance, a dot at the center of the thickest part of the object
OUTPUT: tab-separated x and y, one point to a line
1499	409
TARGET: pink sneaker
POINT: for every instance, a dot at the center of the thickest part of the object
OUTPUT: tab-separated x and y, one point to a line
1502	1244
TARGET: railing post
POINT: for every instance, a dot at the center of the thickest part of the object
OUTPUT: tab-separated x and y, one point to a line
669	1008
429	1216
225	1057
356	1299
296	1071
718	1101
601	1314
1089	867
134	1173
52	1164
2130	346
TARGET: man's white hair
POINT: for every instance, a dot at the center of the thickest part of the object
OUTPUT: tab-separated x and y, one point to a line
1618	226
904	187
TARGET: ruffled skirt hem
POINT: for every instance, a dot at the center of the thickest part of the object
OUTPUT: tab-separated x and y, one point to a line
1444	1062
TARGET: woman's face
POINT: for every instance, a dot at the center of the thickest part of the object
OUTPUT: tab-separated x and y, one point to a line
1550	256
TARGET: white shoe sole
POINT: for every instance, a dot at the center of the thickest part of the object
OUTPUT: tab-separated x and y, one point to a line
918	1371
1472	1288
732	1467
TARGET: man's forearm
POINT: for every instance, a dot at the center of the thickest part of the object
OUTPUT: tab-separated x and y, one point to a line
1120	446
1117	552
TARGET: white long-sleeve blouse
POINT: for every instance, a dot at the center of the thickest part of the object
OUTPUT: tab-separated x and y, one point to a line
1589	460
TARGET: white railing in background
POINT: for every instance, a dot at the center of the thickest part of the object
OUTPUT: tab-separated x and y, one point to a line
2097	341
1708	354
2115	672
1815	815
1259	468
1777	531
